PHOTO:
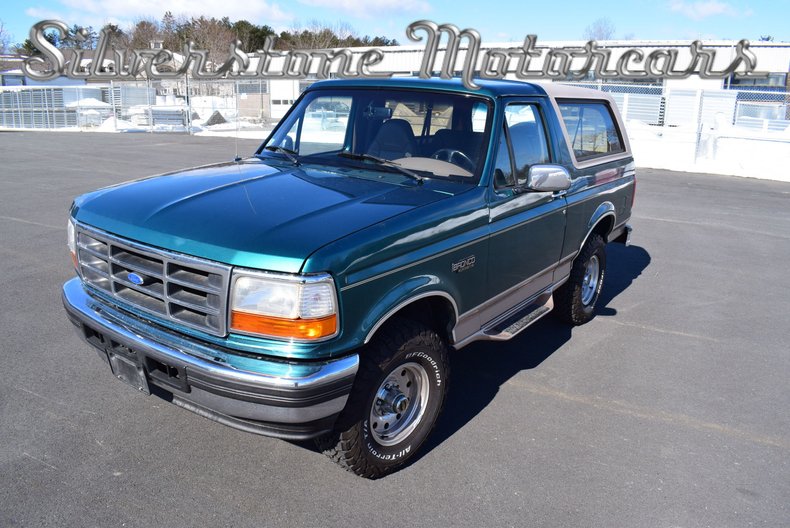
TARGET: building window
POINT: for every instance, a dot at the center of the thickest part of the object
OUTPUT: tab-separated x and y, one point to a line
773	82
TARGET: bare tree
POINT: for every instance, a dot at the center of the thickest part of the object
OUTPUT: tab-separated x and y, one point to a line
313	35
143	32
212	35
175	31
318	35
601	29
5	38
345	32
118	38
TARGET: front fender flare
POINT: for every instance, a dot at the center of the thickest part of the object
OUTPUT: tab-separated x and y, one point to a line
404	294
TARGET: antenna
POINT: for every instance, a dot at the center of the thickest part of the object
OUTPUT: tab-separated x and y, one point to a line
237	158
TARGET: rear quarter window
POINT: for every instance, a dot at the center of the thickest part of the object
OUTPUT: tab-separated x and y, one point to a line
591	129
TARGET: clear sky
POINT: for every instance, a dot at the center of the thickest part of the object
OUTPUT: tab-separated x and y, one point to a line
508	20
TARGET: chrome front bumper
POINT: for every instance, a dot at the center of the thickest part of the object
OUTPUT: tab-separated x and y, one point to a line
287	400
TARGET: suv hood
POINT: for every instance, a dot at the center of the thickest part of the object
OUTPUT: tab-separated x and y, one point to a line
250	214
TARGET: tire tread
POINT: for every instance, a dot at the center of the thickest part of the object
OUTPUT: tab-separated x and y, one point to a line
344	445
568	306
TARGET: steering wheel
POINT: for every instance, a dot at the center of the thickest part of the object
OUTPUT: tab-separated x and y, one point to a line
456	157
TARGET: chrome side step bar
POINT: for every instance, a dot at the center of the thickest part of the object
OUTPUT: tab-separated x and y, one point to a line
513	323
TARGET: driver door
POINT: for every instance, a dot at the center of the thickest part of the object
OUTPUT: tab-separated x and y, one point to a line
527	227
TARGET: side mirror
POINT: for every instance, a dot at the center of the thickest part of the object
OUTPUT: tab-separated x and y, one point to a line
548	178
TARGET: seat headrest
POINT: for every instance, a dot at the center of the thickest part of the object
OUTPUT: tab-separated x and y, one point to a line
395	139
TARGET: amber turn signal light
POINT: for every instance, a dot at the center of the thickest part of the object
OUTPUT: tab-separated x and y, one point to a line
287	328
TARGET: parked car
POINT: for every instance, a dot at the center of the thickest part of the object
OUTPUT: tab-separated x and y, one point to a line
319	288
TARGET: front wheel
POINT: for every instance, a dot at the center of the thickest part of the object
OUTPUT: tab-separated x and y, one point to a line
397	396
574	301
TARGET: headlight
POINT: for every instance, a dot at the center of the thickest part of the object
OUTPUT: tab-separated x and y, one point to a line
71	241
302	308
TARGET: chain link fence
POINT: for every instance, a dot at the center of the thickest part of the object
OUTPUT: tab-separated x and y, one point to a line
182	105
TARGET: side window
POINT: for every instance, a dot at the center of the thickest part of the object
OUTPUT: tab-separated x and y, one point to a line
503	170
591	129
527	137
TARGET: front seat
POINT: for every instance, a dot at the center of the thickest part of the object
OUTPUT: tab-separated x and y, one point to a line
395	139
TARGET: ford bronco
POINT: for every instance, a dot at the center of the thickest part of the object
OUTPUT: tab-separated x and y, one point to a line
318	288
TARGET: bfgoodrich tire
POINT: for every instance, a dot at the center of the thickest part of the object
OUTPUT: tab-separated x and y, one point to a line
574	301
398	394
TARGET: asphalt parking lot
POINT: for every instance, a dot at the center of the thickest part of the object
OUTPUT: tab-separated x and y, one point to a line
670	409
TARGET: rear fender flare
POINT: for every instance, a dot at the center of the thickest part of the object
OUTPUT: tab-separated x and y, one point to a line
601	214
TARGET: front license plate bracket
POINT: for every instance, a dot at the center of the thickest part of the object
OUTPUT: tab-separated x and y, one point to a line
128	371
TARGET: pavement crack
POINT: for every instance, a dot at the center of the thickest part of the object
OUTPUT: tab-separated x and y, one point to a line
659	330
30	222
50	400
714	225
655	415
28	455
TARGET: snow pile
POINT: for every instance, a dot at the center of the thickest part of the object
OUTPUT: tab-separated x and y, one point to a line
718	147
112	125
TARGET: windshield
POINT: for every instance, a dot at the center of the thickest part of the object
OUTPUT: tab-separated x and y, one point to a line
428	134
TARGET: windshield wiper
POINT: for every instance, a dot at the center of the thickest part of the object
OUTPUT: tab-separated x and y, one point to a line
381	161
290	154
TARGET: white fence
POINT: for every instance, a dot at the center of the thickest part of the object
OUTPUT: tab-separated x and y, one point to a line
737	132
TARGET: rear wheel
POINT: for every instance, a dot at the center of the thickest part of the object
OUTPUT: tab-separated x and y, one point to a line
397	396
574	301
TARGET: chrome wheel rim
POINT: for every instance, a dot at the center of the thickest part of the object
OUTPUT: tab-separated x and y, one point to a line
399	404
590	281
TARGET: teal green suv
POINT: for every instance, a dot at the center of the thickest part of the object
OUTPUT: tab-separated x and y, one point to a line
318	288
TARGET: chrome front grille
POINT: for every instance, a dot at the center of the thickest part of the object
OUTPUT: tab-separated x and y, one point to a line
186	290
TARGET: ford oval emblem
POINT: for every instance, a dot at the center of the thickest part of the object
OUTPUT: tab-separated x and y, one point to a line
134	278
